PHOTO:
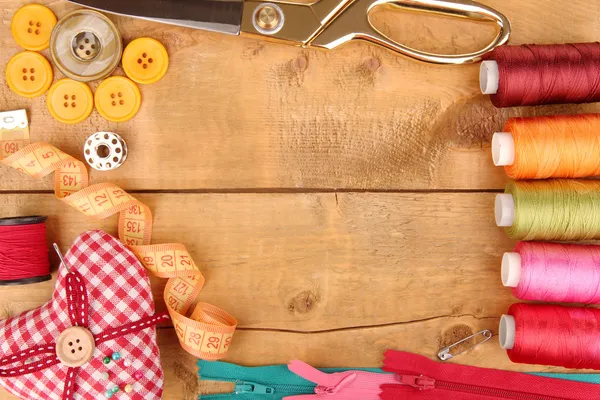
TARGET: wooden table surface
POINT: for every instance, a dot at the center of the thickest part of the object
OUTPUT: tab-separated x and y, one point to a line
339	203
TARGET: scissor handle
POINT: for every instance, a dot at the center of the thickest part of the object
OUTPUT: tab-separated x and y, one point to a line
354	23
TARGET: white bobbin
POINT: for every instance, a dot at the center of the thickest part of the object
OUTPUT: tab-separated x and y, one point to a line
489	77
511	269
105	151
505	210
508	331
503	149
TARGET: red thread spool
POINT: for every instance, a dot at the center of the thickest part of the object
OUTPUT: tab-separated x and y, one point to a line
23	251
552	335
532	75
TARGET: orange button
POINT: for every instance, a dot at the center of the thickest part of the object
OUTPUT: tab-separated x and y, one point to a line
145	60
29	74
75	346
118	99
69	101
32	26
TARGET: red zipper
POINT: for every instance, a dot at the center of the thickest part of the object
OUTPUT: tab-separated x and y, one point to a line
421	382
440	380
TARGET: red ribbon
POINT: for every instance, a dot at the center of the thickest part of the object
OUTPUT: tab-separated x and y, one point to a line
78	310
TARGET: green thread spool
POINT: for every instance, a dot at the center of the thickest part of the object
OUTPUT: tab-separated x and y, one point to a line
560	209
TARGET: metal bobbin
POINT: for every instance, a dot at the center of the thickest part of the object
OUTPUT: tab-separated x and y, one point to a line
105	151
86	46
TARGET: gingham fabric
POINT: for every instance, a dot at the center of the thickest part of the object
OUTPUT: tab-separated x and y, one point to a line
119	293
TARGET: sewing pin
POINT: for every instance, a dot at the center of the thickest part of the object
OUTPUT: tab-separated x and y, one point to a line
446	353
62	260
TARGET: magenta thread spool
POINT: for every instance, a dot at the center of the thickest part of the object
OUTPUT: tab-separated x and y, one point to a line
553	272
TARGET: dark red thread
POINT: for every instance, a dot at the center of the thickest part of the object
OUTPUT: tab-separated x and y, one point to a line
23	252
547	74
555	335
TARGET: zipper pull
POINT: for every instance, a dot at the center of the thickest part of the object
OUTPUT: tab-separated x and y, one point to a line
419	382
251	387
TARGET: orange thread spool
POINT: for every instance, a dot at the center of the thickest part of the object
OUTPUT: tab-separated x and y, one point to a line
563	146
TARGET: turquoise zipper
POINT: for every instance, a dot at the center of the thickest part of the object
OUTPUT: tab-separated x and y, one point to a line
250	389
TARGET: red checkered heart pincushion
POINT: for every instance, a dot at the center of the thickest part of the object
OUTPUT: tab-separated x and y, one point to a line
106	292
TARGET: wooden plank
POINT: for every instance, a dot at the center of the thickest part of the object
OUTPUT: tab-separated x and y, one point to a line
281	260
241	113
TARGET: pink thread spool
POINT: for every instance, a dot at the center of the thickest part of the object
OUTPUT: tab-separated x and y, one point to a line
553	272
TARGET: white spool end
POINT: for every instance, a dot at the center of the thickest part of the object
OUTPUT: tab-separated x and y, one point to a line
508	331
503	149
505	210
511	269
489	77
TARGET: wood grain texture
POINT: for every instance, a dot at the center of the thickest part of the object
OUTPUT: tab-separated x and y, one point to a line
240	113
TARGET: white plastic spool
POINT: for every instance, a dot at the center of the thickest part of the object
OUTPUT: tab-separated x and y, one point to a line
511	269
504	210
508	332
489	77
503	149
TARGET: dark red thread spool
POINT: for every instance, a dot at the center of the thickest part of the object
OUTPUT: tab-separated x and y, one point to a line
23	251
552	335
532	75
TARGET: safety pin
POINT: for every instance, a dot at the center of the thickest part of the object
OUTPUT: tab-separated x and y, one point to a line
62	260
445	354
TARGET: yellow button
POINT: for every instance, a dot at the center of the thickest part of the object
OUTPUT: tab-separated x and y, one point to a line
32	26
118	99
75	346
145	60
69	101
29	74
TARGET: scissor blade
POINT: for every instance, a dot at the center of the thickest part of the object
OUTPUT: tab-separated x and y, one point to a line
223	16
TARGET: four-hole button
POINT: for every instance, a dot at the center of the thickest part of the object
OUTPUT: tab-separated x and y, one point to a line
118	99
29	74
75	346
145	60
32	26
69	101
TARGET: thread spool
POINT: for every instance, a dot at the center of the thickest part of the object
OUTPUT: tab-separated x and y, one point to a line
553	272
552	335
23	251
565	146
86	46
531	75
556	210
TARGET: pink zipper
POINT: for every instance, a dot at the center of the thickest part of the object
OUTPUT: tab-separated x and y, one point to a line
458	382
348	385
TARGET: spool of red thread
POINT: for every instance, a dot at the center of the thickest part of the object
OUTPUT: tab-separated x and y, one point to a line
23	251
532	75
553	272
552	335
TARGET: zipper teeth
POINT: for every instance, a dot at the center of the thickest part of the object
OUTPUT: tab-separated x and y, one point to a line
294	389
502	393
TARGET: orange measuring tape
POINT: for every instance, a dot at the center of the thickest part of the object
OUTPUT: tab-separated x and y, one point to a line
207	331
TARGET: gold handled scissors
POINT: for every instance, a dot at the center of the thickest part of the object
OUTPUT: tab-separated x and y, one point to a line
325	23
